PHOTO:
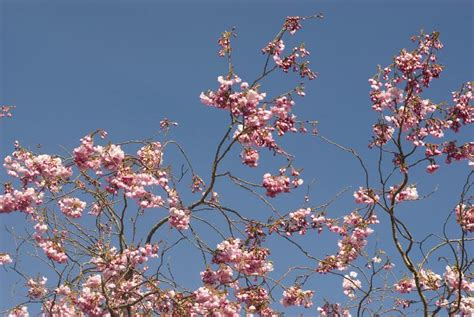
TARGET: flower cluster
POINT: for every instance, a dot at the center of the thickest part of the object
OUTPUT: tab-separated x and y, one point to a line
276	47
72	207
21	311
333	310
224	43
453	277
52	247
429	280
292	24
354	232
5	111
5	259
209	302
256	299
395	92
366	196
297	221
42	170
151	155
88	156
26	201
350	284
405	285
465	217
223	276
252	261
36	288
276	184
179	218
295	296
408	193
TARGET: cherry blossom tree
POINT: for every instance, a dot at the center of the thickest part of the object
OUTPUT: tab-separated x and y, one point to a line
84	212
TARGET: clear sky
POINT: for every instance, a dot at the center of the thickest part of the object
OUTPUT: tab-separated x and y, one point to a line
71	67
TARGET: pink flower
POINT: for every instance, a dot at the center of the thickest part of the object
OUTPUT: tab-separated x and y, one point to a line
276	184
405	286
351	284
295	296
179	218
292	24
72	207
408	193
224	43
36	289
111	156
432	168
53	250
5	259
256	299
250	157
366	196
5	111
228	251
452	278
151	155
333	310
465	217
25	201
297	221
21	311
429	280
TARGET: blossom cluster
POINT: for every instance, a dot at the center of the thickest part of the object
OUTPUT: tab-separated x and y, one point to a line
354	231
277	184
395	93
5	111
276	47
465	217
295	296
351	284
252	261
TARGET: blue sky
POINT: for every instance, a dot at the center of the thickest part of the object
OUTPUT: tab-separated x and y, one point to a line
71	67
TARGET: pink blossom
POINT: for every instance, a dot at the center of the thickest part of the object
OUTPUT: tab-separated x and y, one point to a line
72	207
25	201
276	184
151	155
432	168
405	286
292	24
452	278
179	218
351	284
95	209
250	157
333	310
297	221
21	311
254	262
429	280
256	299
224	43
465	217
295	296
228	251
36	288
366	196
43	170
111	156
5	111
408	193
5	259
53	250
